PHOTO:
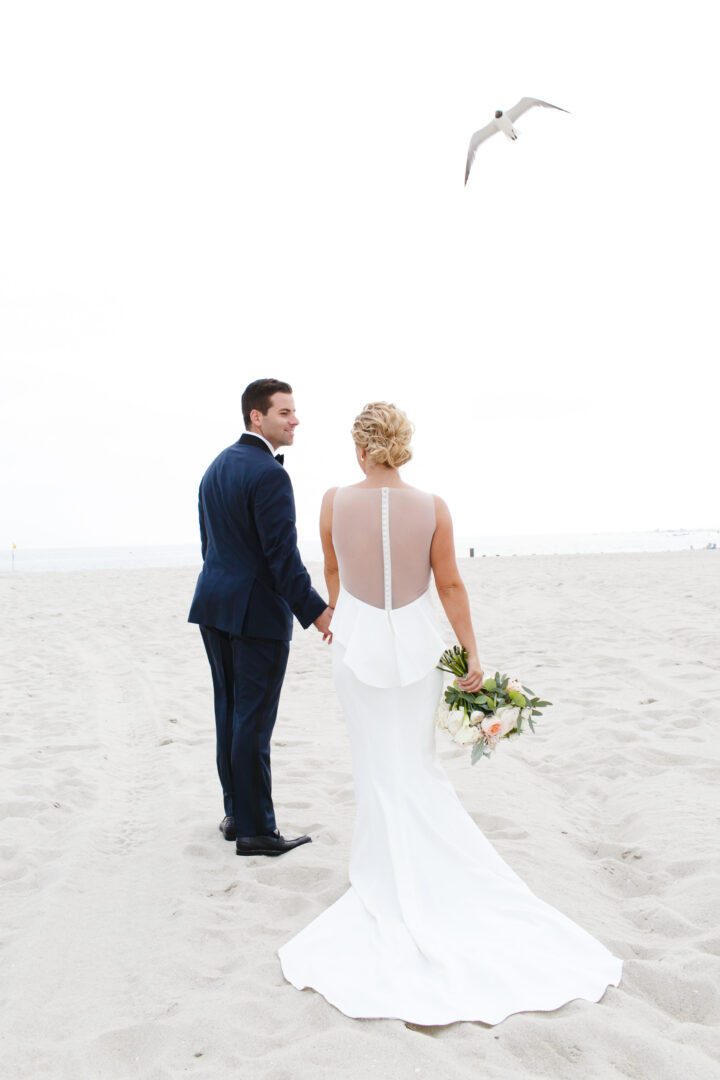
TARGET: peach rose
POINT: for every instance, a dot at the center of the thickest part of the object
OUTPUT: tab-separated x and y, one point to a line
501	723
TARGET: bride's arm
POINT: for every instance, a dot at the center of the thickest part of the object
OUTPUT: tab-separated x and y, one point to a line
332	576
452	592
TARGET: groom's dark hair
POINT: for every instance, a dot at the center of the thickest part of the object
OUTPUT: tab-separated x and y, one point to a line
258	394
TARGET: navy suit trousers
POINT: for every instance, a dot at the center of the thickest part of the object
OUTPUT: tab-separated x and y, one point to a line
247	676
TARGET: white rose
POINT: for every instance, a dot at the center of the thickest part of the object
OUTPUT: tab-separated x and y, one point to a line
501	722
455	720
442	714
515	684
526	713
467	734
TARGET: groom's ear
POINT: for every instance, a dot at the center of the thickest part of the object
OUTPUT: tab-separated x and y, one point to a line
255	418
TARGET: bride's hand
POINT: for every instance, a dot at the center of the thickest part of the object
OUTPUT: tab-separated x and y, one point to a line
322	623
474	679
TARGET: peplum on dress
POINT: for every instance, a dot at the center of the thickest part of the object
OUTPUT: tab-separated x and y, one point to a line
435	927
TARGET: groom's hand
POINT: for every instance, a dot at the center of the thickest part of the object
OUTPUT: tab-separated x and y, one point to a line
323	624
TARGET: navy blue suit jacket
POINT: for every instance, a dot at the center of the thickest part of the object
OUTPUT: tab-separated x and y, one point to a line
253	580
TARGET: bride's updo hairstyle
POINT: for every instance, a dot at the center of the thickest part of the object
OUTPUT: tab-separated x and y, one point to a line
384	432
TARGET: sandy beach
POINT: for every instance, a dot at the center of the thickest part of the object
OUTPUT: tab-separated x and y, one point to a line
136	944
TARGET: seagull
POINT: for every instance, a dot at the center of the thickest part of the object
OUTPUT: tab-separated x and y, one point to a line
503	121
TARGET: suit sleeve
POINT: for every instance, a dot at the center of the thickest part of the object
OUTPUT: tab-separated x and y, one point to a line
203	530
275	522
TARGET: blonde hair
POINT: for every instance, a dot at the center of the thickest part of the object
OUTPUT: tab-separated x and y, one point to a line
384	432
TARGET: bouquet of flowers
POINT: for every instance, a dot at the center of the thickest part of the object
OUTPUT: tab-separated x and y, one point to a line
481	719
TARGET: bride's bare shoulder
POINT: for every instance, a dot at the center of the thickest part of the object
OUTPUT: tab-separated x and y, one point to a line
440	505
442	513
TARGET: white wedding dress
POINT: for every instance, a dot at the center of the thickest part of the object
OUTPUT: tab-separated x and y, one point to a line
435	926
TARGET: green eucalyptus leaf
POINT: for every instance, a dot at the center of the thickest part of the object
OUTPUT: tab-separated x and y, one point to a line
478	751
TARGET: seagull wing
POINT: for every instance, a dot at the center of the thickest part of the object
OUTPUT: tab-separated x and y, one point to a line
527	103
478	137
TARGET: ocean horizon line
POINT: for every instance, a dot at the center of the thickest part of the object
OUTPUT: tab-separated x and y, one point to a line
478	545
131	545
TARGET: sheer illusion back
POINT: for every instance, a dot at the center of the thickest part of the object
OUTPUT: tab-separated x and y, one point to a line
382	539
384	619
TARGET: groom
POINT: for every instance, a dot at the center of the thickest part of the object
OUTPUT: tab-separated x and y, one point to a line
251	584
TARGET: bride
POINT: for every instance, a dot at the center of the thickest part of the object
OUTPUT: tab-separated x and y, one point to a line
435	926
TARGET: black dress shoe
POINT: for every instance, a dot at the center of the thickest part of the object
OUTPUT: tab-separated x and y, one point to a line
227	828
268	845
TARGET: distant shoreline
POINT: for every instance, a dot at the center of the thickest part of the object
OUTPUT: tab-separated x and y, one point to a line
40	560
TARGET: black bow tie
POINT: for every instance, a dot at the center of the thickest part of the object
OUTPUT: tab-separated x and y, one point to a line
280	458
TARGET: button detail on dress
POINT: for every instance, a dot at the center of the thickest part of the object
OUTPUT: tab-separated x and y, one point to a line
386	547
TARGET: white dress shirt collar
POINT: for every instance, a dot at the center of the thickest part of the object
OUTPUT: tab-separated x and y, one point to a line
257	435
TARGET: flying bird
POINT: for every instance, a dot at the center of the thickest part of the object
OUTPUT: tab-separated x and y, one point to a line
503	121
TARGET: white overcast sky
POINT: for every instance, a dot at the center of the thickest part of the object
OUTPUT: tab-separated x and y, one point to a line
195	195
